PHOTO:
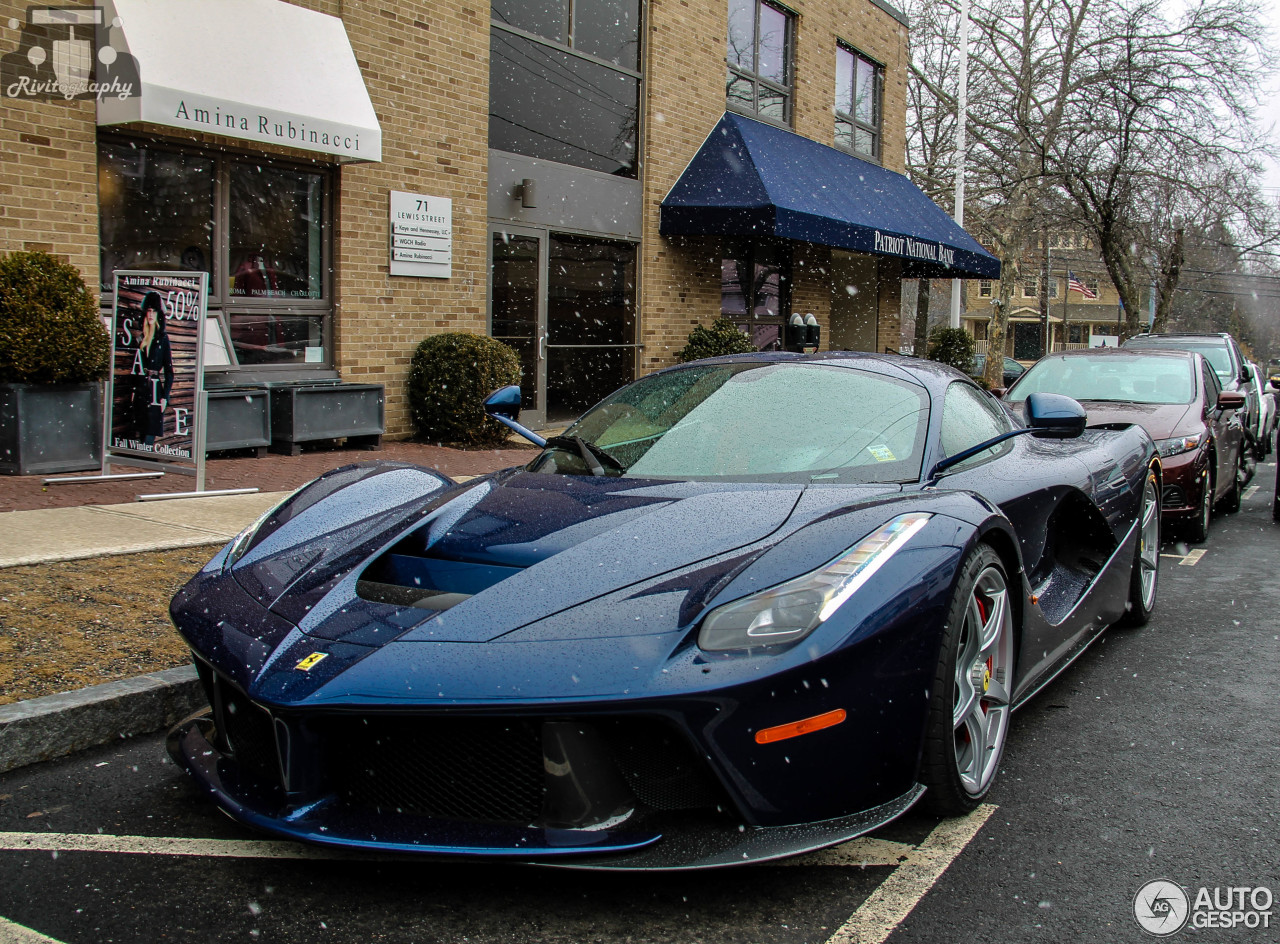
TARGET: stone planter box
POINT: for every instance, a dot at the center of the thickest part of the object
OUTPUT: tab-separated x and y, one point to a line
48	428
238	418
310	413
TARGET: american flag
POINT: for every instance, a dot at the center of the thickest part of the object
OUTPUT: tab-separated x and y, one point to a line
1075	285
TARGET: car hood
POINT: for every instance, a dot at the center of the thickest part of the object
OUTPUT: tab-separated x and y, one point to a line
516	548
1161	421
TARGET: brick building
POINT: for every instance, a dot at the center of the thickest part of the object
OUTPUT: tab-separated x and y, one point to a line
586	179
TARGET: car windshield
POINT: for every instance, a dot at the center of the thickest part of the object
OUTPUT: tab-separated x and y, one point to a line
1132	379
751	421
1215	352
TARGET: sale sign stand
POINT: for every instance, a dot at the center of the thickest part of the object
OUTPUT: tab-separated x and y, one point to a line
156	405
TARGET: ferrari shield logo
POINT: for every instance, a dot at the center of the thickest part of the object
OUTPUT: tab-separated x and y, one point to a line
310	661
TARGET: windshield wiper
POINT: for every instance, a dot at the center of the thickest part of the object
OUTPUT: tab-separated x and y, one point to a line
594	456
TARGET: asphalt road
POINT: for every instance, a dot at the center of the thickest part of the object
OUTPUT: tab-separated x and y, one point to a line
1154	756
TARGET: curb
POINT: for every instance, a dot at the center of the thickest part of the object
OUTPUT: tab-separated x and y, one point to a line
56	725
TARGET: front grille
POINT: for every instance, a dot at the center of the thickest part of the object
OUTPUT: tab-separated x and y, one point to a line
454	768
249	736
660	766
1173	497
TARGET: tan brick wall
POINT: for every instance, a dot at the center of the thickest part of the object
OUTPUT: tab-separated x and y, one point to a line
48	170
685	96
426	66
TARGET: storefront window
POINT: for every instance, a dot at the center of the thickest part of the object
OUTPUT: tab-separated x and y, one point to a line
259	228
276	233
755	291
156	210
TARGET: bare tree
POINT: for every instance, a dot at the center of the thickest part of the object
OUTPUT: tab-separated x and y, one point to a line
1164	140
1142	124
1025	72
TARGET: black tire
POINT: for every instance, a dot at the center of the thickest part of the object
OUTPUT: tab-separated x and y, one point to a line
1146	558
1197	530
957	781
1230	501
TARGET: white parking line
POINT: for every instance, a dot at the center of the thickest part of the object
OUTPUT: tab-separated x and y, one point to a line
167	845
916	868
13	933
1250	492
894	899
1189	559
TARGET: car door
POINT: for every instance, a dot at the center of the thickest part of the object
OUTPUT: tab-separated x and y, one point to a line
1226	429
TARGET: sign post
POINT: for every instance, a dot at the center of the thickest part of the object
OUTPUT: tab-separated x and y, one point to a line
156	404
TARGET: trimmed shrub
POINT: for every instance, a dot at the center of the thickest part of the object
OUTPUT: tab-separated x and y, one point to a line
50	332
449	378
953	347
723	337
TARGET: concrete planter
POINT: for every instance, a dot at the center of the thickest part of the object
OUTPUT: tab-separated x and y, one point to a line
310	413
239	418
48	428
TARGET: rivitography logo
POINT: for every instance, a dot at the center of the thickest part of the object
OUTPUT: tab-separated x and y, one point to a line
65	53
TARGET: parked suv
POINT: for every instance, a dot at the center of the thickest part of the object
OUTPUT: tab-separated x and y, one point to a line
1228	362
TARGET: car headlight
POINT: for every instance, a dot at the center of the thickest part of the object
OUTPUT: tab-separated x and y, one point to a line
1178	445
792	610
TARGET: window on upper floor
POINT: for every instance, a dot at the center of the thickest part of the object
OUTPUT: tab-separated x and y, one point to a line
759	55
564	81
859	85
984	288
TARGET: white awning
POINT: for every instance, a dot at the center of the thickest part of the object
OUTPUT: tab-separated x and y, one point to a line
258	70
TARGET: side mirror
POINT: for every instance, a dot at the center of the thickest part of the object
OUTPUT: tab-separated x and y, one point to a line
1053	415
1246	374
1275	383
1228	400
504	406
504	402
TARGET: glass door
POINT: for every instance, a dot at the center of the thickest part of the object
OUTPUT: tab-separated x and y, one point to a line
566	305
517	310
591	322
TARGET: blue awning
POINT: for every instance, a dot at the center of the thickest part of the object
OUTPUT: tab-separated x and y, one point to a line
754	179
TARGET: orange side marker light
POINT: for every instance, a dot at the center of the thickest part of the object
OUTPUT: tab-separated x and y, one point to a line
796	728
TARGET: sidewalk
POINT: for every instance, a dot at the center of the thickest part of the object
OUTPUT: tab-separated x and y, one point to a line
41	523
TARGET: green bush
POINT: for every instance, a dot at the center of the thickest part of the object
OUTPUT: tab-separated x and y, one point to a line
449	378
953	347
723	337
50	332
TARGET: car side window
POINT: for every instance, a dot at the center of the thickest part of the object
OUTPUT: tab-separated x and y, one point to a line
969	417
1212	386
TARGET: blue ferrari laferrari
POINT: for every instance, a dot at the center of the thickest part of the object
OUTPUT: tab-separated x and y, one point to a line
741	609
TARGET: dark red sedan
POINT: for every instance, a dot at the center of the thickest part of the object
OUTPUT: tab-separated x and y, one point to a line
1177	398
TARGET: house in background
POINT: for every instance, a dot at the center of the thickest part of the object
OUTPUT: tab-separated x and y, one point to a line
1083	306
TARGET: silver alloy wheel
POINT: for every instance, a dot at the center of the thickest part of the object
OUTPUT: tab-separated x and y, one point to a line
1206	503
1149	551
983	682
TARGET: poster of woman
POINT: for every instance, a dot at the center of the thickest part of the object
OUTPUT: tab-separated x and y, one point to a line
156	365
